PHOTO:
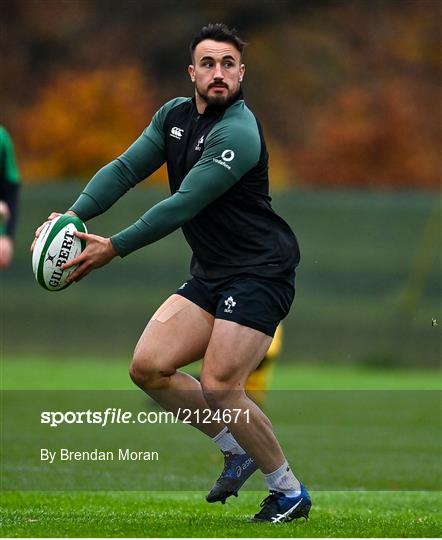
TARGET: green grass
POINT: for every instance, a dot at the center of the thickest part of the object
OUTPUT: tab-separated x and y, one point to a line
185	514
367	289
113	514
90	373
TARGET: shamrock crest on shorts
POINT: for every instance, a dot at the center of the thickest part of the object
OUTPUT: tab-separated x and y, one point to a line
230	303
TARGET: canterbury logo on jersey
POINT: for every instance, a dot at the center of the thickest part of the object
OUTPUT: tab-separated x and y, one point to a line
176	132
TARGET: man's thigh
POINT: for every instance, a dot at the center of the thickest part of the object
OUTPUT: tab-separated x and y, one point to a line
258	303
177	334
233	352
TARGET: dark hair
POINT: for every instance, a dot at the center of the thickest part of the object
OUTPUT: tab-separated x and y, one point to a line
217	32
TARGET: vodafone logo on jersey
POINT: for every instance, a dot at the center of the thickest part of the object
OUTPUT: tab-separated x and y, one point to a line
226	156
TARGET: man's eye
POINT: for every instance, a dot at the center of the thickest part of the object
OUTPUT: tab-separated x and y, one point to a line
207	64
228	64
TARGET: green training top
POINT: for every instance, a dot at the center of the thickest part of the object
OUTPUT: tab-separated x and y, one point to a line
218	175
9	181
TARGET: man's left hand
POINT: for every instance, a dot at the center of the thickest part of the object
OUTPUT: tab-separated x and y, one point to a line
99	251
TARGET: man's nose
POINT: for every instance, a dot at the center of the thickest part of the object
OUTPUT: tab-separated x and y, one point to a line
218	72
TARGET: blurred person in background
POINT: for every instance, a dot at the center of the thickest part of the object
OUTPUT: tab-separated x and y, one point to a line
9	191
258	382
243	266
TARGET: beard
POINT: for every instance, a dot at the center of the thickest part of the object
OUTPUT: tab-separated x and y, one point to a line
217	100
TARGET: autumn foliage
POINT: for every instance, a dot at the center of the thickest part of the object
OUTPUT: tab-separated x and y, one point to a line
376	138
81	120
348	92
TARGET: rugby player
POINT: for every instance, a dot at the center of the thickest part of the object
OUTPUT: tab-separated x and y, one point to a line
243	264
9	192
258	382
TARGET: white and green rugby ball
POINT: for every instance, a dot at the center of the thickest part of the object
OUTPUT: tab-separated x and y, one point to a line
56	246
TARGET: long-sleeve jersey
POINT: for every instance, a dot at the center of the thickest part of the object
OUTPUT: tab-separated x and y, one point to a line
218	174
9	182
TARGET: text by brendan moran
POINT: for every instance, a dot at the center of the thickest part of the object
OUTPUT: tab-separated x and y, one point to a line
122	454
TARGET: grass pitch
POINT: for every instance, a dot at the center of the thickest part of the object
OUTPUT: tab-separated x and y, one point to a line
186	514
116	514
39	373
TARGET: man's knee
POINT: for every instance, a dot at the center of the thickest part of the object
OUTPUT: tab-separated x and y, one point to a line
220	390
149	371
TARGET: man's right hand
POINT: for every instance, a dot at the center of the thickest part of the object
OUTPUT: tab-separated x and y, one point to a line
51	216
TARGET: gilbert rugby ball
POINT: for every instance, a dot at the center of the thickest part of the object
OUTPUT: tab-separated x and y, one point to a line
55	246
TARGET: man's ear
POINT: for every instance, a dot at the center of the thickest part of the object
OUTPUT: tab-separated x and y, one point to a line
191	72
242	70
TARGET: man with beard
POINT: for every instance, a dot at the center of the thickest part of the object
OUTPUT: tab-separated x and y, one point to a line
243	266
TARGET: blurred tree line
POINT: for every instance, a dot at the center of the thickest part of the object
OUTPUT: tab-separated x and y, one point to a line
347	91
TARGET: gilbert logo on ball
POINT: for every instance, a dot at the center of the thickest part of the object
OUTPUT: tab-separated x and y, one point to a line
55	246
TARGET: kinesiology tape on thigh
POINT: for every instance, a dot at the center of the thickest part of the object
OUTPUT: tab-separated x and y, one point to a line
164	313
